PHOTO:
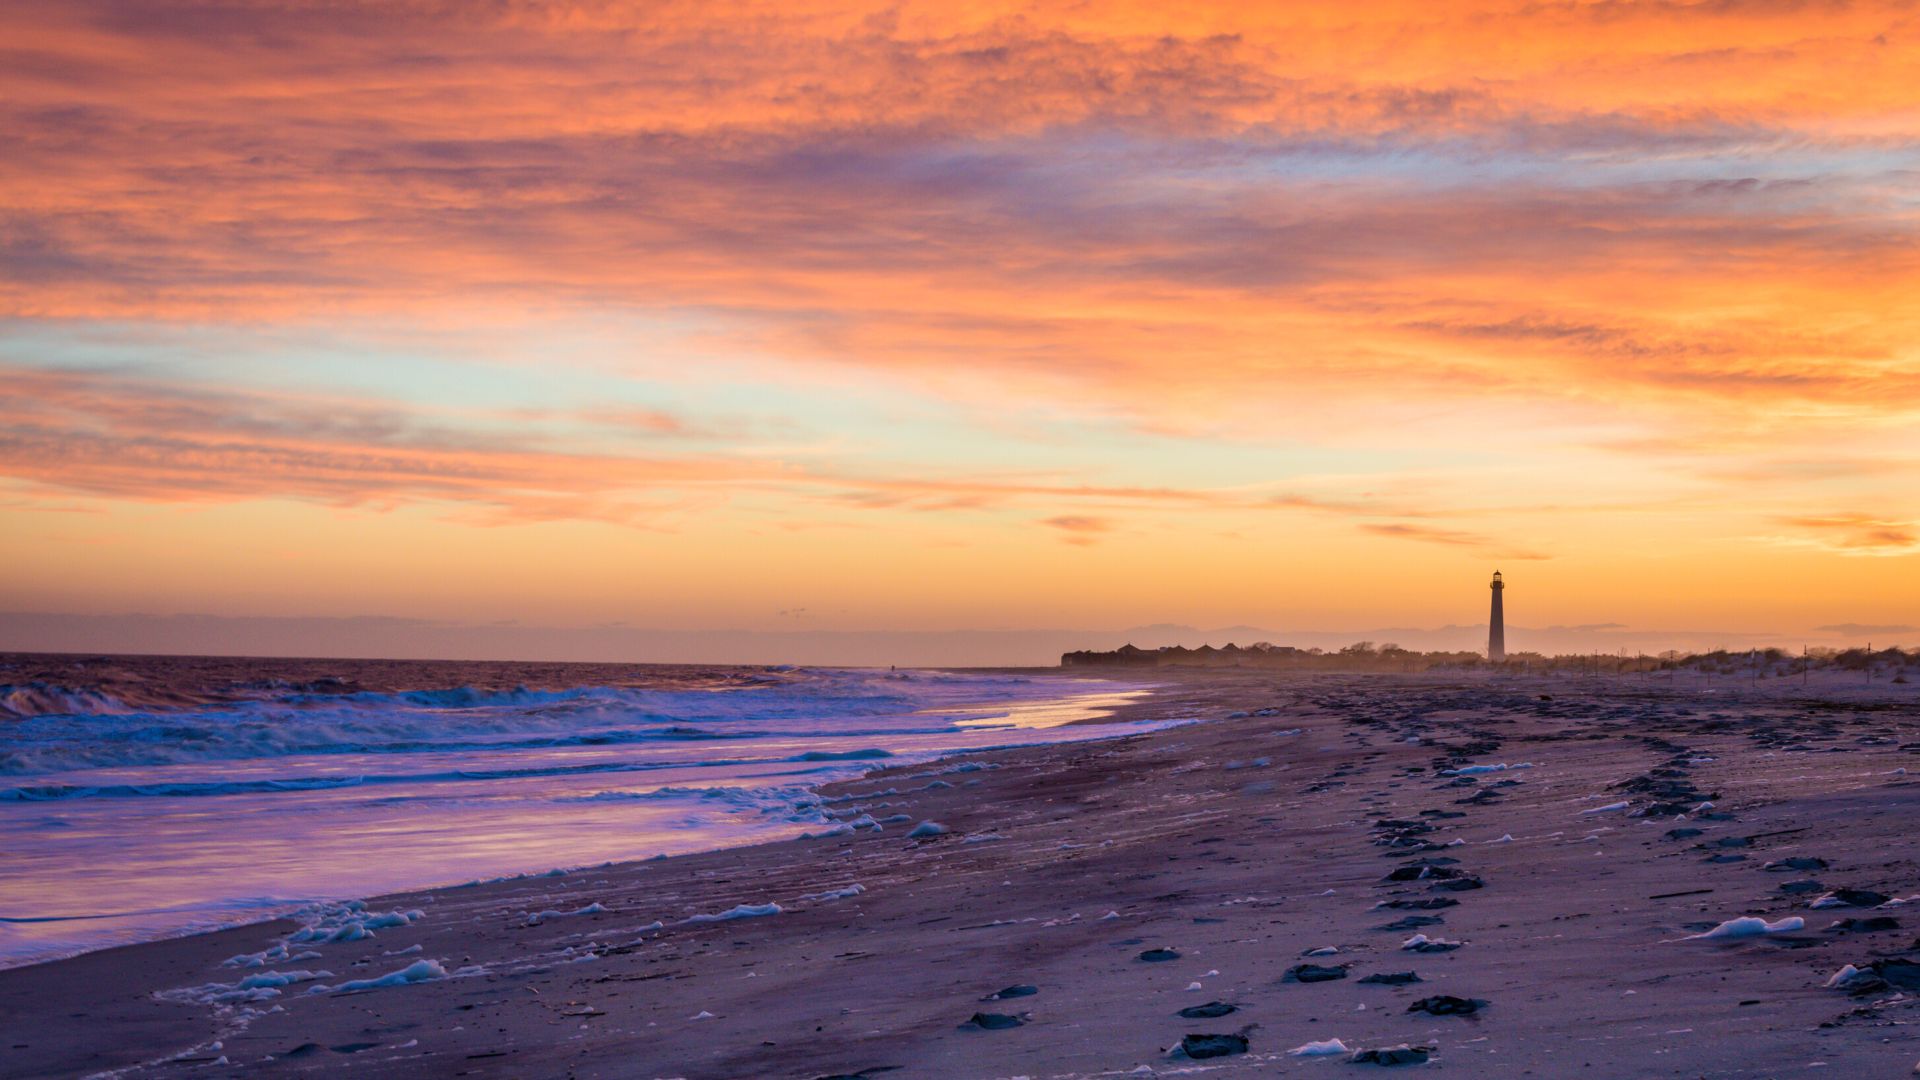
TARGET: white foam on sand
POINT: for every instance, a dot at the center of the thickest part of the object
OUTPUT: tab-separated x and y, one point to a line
253	988
417	972
1324	1048
1846	977
1748	926
275	955
349	921
538	917
1607	809
837	894
927	828
742	911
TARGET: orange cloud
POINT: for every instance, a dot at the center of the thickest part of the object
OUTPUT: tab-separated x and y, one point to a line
1436	272
1079	529
1864	534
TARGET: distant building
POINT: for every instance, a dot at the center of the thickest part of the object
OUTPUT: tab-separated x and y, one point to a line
1497	623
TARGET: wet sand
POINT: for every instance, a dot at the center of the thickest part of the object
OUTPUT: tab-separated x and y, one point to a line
1126	881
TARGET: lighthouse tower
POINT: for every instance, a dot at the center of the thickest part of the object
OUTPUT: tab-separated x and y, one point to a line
1497	624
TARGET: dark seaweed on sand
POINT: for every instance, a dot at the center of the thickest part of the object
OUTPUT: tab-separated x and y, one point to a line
1020	991
1393	1055
1211	1046
1447	1005
1313	973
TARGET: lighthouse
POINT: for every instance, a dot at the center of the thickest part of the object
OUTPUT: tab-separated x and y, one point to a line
1497	624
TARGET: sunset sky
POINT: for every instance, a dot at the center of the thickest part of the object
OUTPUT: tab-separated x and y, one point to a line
935	316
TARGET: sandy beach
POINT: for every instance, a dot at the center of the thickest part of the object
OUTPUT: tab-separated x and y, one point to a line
1506	877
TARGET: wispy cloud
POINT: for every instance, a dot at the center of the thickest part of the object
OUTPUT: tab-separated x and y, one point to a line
1864	629
1080	529
1857	534
1493	279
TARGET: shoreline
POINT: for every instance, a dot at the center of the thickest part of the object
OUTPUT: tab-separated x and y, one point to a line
1082	700
1217	841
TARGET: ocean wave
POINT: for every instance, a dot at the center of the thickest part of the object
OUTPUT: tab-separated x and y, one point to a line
21	700
202	788
63	735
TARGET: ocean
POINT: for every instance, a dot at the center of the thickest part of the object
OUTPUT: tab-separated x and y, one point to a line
144	797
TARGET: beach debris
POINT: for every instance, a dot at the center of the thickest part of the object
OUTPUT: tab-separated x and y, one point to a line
1870	925
1797	888
1212	1010
927	828
1796	862
1322	1048
1684	834
1412	922
1200	1047
1393	1055
1421	943
1391	978
1893	974
1424	870
1460	884
986	1021
1313	973
1159	956
1434	903
1447	1005
1748	926
1851	898
1019	991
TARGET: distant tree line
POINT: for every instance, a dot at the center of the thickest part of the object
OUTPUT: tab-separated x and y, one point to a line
1365	656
